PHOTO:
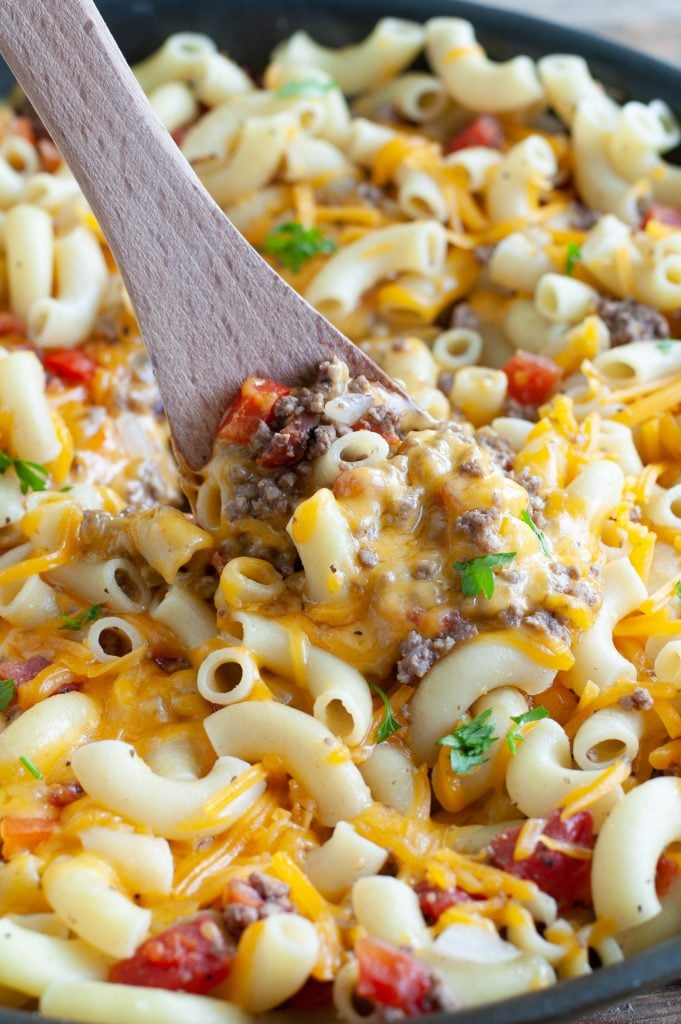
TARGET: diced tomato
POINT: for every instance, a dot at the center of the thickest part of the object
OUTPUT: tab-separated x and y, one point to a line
10	323
50	155
665	874
255	404
71	364
312	996
180	134
367	424
392	977
485	130
532	379
567	879
21	126
22	834
193	956
670	215
434	901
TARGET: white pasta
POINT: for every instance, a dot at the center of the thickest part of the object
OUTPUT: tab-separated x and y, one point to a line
48	730
471	78
457	347
480	393
389	910
520	259
623	871
416	96
321	533
227	676
97	1003
562	299
22	393
81	274
606	736
344	858
309	752
112	773
597	182
361	447
478	668
528	167
116	583
31	961
174	105
342	699
144	863
337	288
111	638
568	81
389	774
391	46
540	775
188	616
82	892
29	246
273	961
638	363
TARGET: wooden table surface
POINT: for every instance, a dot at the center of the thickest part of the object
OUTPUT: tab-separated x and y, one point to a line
653	26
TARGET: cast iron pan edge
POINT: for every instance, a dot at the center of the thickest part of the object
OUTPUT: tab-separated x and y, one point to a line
248	31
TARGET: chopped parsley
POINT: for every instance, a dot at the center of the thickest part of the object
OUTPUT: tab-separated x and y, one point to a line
31	475
477	576
7	691
514	736
539	534
469	742
572	257
294	245
30	767
389	725
303	87
79	621
677	590
664	346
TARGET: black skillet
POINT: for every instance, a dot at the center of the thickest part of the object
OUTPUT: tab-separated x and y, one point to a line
248	30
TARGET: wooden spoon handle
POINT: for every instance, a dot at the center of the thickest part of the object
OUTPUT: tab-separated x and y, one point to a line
211	311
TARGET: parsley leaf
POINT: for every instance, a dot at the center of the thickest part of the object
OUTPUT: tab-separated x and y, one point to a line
469	742
294	245
7	691
389	725
89	615
572	257
30	767
303	87
31	475
539	534
514	736
664	346
677	590
477	576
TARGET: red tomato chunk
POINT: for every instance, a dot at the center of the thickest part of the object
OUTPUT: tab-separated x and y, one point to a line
10	323
254	405
72	365
434	901
532	379
566	878
485	130
393	977
670	215
193	956
665	874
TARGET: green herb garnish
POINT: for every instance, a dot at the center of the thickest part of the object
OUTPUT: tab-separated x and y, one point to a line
514	737
294	245
539	534
303	87
477	576
677	589
7	691
664	346
79	621
389	725
31	767
469	742
31	475
572	257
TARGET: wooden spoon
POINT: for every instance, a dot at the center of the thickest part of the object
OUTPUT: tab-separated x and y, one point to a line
211	311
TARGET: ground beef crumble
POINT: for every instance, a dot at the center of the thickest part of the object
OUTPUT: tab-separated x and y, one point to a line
630	321
639	700
479	526
549	624
498	447
418	654
251	899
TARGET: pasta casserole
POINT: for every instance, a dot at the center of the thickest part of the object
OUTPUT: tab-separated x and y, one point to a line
390	721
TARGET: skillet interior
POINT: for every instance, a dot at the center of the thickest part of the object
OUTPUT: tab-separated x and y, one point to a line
248	31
